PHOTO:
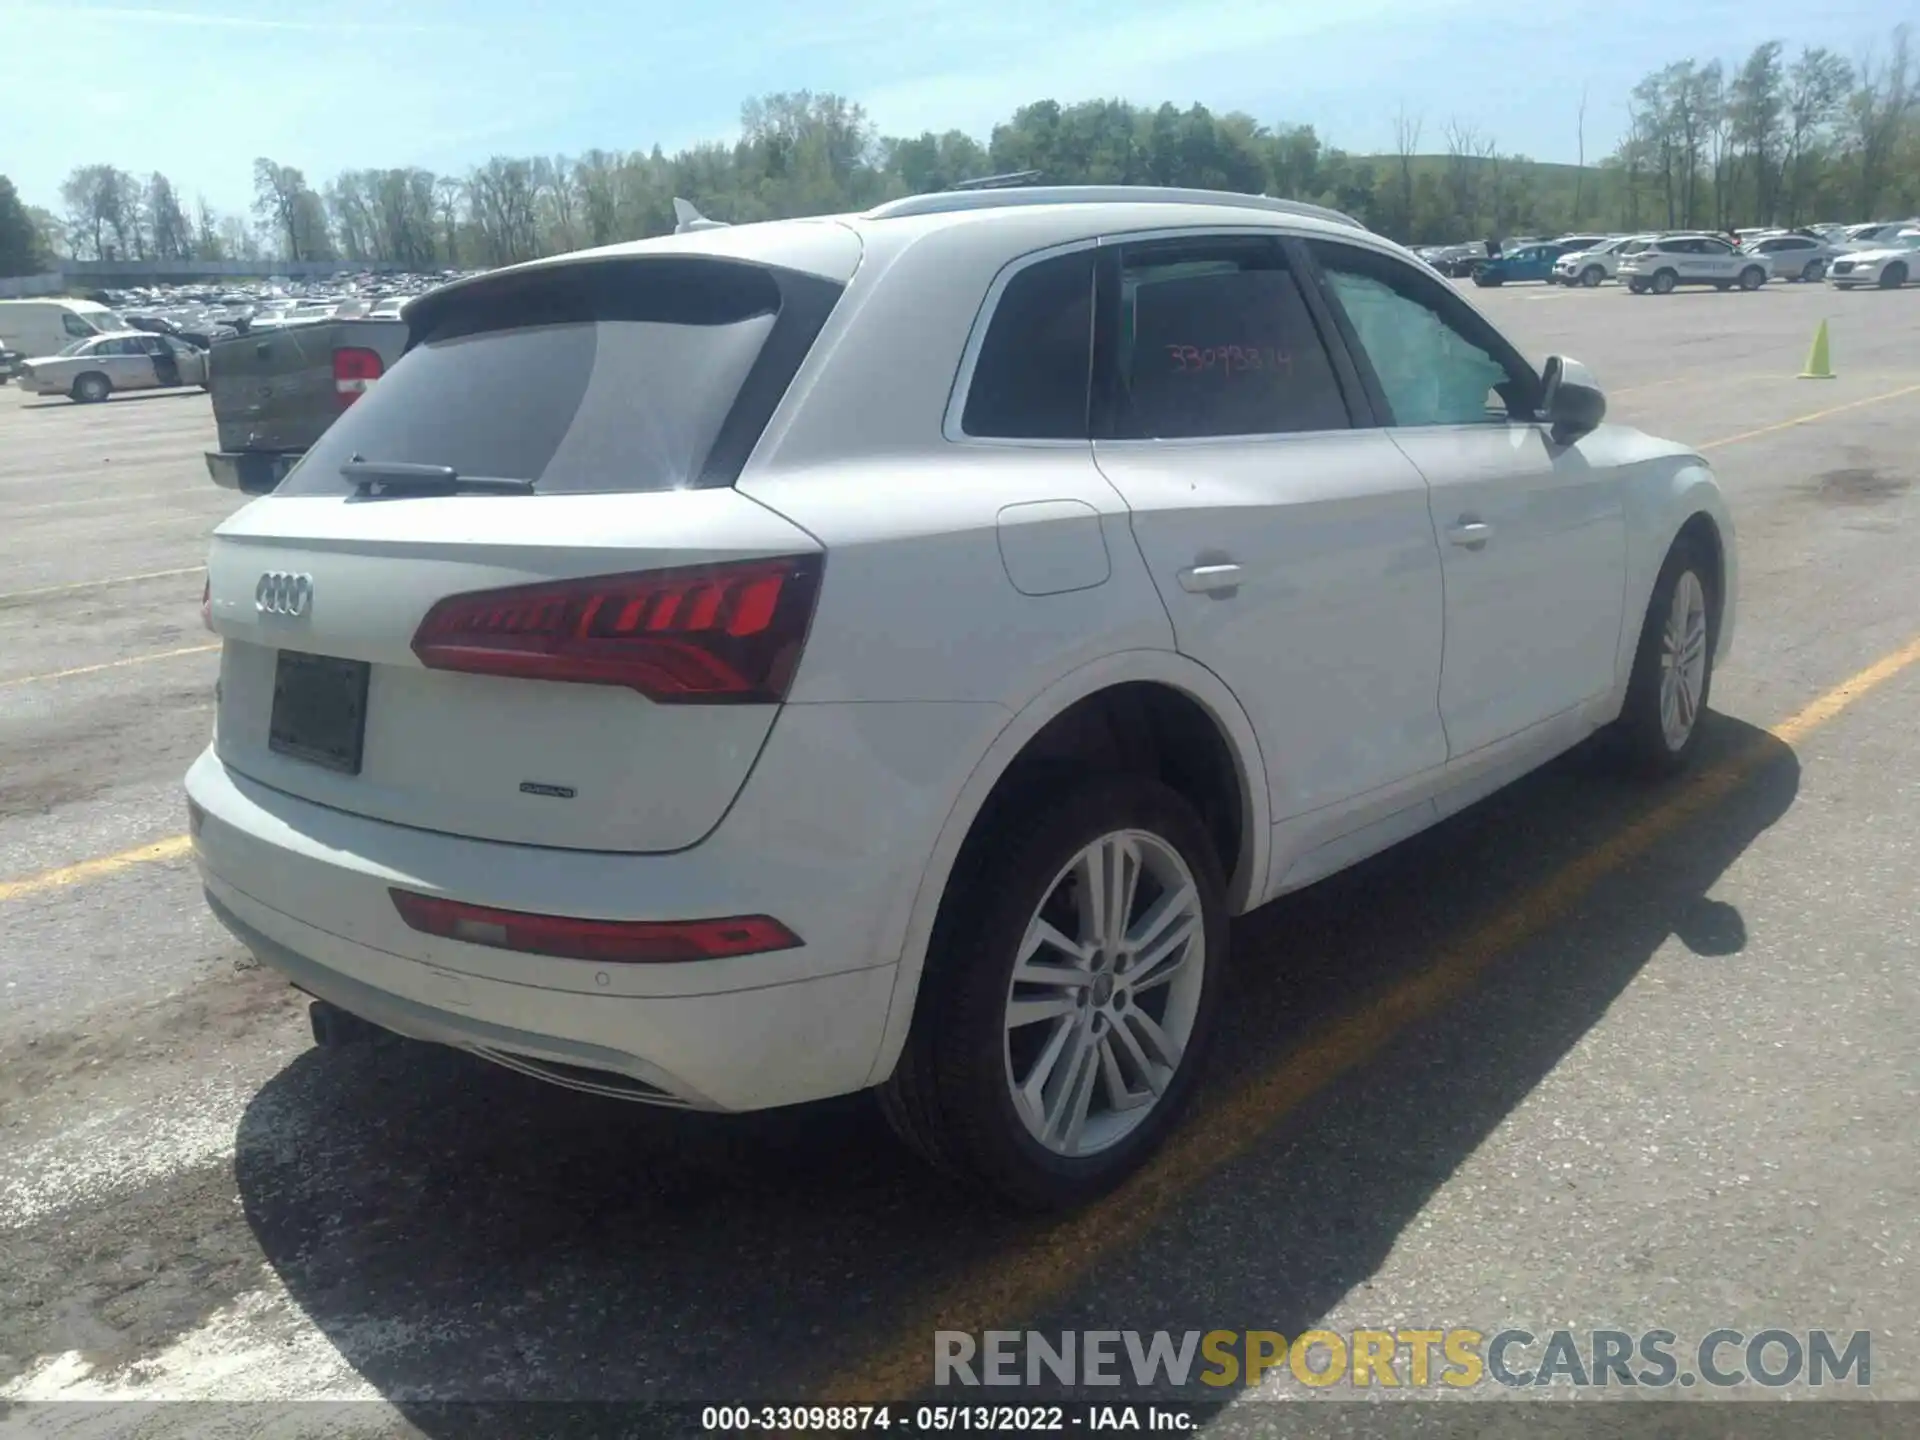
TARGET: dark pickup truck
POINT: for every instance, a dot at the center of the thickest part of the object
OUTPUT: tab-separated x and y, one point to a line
275	390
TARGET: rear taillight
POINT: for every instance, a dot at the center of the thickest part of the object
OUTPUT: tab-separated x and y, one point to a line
354	369
702	634
629	942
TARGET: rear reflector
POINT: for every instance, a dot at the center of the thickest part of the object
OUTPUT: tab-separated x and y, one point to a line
700	634
354	369
620	942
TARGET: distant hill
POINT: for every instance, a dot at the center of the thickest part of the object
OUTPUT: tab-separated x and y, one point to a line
1528	196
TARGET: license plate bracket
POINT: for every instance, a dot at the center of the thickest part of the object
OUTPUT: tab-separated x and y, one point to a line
319	710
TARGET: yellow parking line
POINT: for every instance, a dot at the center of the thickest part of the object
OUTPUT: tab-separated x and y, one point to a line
1809	419
1022	1278
109	665
69	588
169	849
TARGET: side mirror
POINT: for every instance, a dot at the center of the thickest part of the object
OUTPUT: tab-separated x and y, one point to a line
1570	400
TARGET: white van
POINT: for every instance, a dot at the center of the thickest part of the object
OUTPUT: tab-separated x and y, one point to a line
46	327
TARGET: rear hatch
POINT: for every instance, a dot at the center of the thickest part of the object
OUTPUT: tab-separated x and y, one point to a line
416	635
277	389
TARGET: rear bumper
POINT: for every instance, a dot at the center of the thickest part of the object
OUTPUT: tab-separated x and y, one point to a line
830	836
252	472
742	1050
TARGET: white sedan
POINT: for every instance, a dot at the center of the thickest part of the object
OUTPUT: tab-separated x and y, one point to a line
1888	266
91	370
884	650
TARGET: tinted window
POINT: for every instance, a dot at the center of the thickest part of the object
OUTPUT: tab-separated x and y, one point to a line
1436	361
1217	340
74	325
611	377
1713	247
1030	380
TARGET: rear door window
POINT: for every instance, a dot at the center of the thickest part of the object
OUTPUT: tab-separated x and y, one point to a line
1031	376
1214	338
627	375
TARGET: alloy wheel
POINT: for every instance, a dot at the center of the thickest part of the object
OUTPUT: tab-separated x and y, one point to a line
1683	660
1104	993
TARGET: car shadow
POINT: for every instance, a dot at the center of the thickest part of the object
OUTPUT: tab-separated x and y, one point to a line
51	402
462	1234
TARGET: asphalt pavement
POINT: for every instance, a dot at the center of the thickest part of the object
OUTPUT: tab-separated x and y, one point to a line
1591	1056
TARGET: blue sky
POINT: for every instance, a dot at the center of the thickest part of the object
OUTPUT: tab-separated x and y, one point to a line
198	88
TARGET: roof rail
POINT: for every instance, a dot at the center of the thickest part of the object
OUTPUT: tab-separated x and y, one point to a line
999	182
945	201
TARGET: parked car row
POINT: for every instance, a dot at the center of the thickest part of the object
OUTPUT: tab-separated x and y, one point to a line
1663	262
1746	260
90	348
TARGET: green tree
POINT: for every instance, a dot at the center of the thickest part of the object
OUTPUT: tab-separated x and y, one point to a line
20	243
1817	88
288	207
1879	116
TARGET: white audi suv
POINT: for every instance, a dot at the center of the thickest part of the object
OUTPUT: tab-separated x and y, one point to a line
883	650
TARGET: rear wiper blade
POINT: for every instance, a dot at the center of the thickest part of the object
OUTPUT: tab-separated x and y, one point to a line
394	477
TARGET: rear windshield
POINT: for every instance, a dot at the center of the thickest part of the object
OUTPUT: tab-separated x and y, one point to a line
585	379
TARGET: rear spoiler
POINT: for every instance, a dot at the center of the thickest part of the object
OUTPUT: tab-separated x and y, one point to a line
686	218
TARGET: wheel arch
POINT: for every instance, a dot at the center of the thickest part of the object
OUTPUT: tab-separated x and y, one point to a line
1686	502
1128	676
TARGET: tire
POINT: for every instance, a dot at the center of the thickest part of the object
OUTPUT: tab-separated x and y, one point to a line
952	1096
1484	280
1664	281
1893	277
1638	287
1592	276
1658	731
91	388
1752	278
1815	272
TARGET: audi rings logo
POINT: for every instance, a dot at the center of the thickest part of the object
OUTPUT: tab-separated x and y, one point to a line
281	593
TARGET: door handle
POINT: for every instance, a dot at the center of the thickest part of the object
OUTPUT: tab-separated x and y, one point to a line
1471	534
1209	579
